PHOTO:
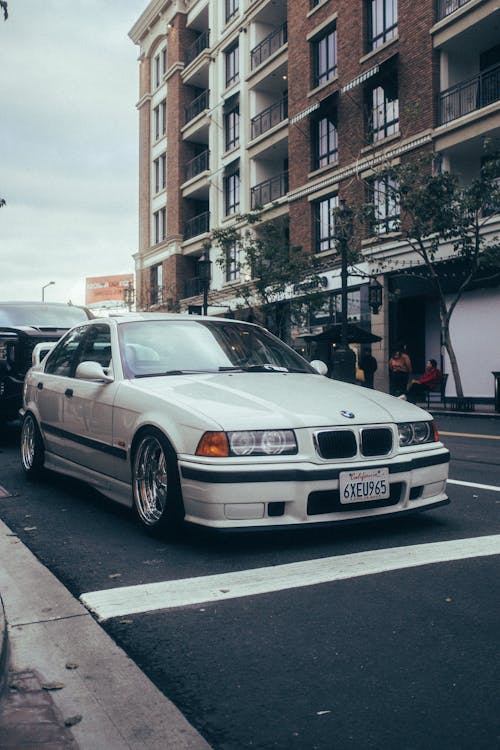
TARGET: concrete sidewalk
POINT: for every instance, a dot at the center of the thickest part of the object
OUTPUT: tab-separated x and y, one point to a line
70	686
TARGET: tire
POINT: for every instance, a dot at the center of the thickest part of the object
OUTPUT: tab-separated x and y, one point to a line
156	484
32	448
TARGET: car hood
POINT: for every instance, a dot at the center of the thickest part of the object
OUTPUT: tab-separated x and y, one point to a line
278	400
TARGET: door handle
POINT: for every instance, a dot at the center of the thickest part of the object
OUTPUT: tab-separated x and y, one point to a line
68	392
39	386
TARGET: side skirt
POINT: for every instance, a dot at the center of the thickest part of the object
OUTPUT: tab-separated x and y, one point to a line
120	492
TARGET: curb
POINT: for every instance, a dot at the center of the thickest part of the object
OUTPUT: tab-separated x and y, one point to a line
4	651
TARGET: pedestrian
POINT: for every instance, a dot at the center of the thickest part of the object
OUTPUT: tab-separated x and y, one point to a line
399	371
368	364
418	389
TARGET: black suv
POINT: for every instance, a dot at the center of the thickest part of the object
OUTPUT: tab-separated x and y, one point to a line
22	326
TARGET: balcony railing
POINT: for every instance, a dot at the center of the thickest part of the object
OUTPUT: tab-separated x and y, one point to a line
197	225
269	190
470	95
269	117
446	7
196	166
268	46
197	105
193	287
201	43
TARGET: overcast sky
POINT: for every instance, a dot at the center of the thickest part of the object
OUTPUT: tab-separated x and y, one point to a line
68	145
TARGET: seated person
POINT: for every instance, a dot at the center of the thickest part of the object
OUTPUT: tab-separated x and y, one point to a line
418	389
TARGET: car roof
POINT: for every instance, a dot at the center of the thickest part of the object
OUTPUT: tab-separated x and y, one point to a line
138	316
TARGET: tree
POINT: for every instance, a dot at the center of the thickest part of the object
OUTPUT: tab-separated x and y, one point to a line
443	221
4	7
275	280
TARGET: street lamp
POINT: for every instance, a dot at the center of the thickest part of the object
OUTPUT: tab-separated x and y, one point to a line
44	288
343	358
204	271
375	296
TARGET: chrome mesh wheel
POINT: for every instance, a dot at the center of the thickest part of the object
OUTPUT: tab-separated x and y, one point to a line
28	443
150	480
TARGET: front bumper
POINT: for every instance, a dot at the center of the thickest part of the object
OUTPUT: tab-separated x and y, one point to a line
305	493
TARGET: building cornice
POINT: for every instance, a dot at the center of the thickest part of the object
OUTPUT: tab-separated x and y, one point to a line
154	11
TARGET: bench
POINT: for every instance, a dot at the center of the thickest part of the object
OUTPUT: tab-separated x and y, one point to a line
436	395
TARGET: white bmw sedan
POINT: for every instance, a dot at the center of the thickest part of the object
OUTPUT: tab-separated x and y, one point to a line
219	423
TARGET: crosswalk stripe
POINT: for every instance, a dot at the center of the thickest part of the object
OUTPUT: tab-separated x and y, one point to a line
491	487
186	592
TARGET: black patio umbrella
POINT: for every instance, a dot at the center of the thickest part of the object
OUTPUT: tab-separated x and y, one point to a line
332	334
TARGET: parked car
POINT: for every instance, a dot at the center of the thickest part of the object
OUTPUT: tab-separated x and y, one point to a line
220	423
23	325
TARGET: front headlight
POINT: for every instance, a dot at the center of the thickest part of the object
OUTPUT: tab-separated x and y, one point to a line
248	443
416	433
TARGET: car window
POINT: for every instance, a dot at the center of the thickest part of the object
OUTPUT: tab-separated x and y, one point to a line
42	315
61	360
96	346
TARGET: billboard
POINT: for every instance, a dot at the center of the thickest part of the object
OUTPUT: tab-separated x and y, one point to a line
107	290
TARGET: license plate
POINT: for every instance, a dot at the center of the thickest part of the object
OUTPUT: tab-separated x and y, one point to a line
364	484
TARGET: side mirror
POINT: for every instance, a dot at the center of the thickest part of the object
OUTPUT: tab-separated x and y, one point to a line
40	352
319	366
92	371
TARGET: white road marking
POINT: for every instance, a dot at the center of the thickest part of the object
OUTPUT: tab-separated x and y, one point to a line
473	484
186	592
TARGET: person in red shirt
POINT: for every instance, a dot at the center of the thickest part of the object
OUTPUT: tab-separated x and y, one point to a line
418	389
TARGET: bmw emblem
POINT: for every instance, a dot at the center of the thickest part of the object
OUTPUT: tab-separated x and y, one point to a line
347	414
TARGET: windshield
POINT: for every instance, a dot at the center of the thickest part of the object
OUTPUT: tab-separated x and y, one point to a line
41	315
159	347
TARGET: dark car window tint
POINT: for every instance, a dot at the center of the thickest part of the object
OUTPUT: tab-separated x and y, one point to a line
96	346
43	315
61	360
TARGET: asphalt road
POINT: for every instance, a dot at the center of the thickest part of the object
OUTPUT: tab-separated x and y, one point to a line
404	659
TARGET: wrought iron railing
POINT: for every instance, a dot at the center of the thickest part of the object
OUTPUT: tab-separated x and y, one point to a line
269	117
197	165
446	7
197	105
201	43
268	46
197	225
470	95
269	190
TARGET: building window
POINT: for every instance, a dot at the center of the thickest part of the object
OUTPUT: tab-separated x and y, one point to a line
160	170
382	22
156	284
386	209
160	225
232	7
160	119
232	65
159	66
384	108
325	141
232	262
325	223
325	57
232	192
232	128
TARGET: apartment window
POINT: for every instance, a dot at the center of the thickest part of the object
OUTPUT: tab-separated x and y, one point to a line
386	209
325	141
232	7
156	284
160	170
232	65
325	223
384	108
382	21
232	262
159	66
325	57
160	225
160	119
232	127
232	192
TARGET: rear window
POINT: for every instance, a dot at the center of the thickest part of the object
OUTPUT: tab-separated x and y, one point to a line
42	315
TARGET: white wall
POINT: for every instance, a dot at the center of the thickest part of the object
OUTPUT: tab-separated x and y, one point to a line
475	334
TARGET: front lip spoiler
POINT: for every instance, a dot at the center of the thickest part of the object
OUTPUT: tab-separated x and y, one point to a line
214	476
308	526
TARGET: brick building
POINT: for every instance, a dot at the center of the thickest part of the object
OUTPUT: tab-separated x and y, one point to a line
292	106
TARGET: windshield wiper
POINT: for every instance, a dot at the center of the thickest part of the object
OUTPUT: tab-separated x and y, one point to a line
171	372
255	368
